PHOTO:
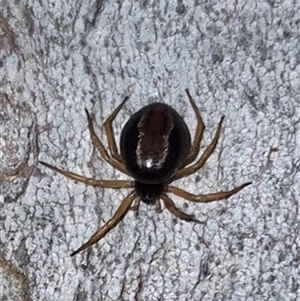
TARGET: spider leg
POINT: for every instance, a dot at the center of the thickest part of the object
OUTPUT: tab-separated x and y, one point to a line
110	132
118	216
194	151
99	145
90	181
193	168
203	198
174	210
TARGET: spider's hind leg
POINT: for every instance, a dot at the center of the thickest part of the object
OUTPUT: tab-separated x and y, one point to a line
110	131
194	151
184	172
99	145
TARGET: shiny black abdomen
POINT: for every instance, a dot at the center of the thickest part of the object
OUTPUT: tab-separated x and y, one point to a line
154	143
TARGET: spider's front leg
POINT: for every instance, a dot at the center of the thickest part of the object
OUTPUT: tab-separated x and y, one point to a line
118	216
175	211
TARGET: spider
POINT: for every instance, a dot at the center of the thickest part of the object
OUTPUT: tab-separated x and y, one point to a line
155	150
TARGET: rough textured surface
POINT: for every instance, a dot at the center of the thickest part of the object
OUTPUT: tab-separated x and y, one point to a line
239	59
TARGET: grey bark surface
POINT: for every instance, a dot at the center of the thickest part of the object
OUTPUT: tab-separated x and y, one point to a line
240	59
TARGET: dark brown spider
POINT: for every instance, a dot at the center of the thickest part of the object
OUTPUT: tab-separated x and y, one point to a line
155	150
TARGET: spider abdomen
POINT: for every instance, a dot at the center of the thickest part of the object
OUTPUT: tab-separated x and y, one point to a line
154	143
